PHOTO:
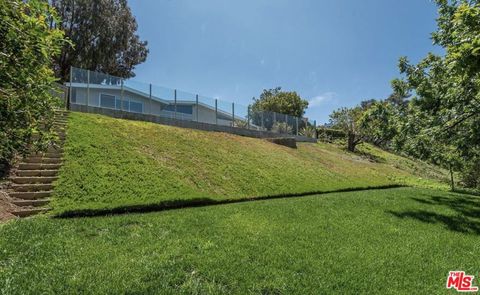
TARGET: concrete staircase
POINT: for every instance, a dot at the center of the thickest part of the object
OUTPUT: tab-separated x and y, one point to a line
33	181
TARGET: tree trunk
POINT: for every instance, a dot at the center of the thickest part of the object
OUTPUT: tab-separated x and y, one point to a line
351	142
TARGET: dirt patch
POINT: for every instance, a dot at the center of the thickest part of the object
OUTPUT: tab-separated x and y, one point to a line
5	208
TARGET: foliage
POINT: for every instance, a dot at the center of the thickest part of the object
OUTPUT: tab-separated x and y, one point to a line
281	127
105	36
26	77
283	102
308	131
277	103
188	165
471	173
240	123
444	115
407	237
378	123
348	120
329	134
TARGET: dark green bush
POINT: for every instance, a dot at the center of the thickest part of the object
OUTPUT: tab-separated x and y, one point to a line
27	48
329	134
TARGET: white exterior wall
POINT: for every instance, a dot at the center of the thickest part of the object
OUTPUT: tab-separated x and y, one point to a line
205	114
149	106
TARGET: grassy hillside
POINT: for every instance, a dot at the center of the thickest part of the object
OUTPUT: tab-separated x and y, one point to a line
372	242
111	163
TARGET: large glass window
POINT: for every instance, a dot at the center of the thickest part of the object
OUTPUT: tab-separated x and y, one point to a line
119	103
180	109
107	101
111	102
136	107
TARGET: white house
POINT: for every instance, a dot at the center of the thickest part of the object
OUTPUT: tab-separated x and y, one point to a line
133	100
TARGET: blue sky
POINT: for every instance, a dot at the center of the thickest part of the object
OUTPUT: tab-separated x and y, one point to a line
334	53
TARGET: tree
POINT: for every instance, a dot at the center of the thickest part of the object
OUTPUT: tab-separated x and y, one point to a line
277	101
379	123
347	120
104	35
26	51
447	87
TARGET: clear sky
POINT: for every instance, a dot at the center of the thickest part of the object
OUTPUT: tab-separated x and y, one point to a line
332	52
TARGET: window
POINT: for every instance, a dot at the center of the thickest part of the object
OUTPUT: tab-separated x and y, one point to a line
107	101
180	109
74	95
118	104
111	102
136	107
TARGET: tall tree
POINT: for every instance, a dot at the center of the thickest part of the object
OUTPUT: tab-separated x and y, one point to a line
447	87
283	102
104	34
277	101
27	48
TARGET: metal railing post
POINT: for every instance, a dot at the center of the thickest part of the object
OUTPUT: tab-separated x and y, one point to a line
196	107
233	114
175	103
286	123
248	117
261	118
88	87
216	111
121	95
150	111
296	127
70	90
315	126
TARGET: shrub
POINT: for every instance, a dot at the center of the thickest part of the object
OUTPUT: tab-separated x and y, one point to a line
240	123
26	76
471	174
283	128
329	135
308	131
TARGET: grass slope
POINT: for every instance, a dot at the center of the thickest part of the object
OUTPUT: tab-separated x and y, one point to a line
371	242
111	163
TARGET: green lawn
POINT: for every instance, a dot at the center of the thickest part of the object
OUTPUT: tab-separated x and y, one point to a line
381	241
112	163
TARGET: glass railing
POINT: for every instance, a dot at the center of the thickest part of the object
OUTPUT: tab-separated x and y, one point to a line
106	91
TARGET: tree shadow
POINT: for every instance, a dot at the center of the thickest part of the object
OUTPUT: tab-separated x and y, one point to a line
466	218
200	202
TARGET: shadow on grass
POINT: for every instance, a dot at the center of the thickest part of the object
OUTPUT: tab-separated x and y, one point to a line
467	191
199	202
465	220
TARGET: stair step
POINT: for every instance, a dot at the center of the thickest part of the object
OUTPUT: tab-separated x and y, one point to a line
47	155
29	212
30	195
42	160
36	173
32	187
54	149
33	203
27	180
38	166
58	133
